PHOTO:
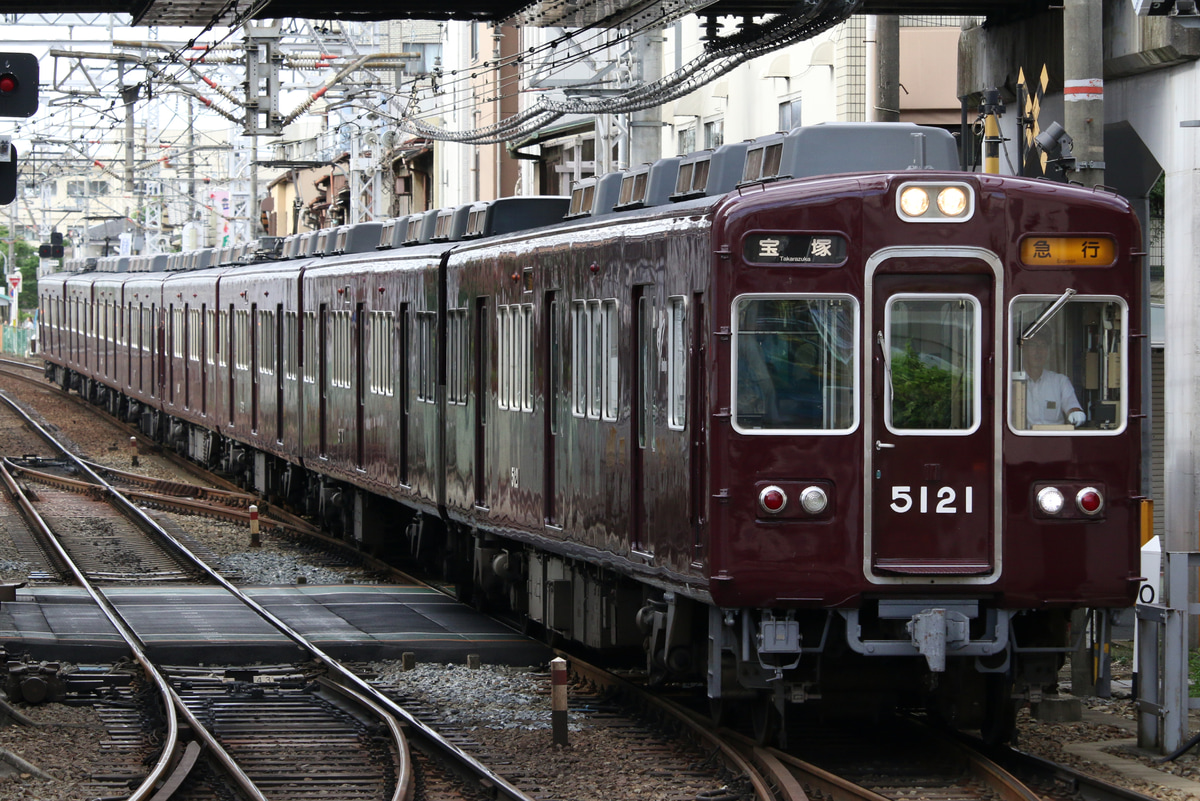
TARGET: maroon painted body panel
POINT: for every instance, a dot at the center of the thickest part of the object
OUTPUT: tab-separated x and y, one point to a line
865	547
607	478
251	370
371	413
626	389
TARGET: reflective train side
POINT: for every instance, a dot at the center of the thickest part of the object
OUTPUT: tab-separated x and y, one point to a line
770	424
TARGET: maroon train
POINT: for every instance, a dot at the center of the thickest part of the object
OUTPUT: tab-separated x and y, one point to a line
812	416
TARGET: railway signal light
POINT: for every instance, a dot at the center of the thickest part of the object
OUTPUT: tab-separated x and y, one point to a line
18	84
54	250
8	172
18	98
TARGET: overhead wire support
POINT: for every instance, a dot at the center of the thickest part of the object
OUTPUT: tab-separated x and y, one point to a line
723	54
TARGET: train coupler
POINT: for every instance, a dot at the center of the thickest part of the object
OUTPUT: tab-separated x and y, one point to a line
934	630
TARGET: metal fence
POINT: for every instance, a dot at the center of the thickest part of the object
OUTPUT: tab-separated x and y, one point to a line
16	340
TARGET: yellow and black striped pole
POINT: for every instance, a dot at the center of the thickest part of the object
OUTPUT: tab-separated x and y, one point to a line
992	109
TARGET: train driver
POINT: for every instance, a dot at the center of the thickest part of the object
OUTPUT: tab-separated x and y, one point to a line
1049	396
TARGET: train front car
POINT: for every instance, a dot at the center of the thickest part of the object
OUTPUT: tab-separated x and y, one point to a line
924	438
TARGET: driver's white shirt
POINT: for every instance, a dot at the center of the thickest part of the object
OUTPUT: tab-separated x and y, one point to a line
1049	398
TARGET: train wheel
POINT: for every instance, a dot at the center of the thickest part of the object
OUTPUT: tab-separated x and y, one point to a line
1000	710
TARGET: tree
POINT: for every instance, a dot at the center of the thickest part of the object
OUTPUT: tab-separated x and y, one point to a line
25	257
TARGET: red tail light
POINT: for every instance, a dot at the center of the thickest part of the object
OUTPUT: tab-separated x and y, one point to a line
1089	500
773	500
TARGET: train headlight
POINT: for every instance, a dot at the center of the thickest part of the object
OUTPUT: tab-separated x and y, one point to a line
952	202
814	500
773	500
1050	500
1089	500
914	201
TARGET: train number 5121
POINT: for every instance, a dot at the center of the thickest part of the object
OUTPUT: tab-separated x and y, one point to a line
944	500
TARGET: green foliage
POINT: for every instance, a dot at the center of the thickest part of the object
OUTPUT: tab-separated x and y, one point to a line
921	393
25	255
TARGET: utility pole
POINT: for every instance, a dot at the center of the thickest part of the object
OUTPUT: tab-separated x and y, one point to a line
129	96
887	68
1083	119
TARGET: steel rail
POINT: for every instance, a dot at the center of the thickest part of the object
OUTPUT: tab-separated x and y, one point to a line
171	744
735	761
498	786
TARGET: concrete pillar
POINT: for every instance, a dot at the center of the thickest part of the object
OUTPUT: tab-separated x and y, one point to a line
1083	87
645	135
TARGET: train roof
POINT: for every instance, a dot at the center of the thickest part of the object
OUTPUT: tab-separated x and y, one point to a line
815	150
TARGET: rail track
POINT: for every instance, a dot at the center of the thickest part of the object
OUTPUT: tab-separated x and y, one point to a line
251	725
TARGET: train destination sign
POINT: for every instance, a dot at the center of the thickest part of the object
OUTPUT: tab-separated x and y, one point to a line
1068	251
794	248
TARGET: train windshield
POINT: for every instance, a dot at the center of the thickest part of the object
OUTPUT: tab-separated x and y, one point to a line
794	364
1067	375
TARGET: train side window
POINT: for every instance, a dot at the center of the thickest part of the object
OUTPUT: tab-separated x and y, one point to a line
177	343
595	376
579	358
310	347
241	334
514	325
210	336
1067	359
934	363
382	324
194	335
795	364
266	342
677	362
290	352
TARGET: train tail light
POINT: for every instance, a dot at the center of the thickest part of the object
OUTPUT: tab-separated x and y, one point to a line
773	500
1089	500
1050	500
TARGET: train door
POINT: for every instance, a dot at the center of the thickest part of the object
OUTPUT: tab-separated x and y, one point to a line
253	335
482	358
173	350
645	368
206	355
323	380
696	420
281	344
231	362
933	425
402	350
552	436
158	357
360	400
186	347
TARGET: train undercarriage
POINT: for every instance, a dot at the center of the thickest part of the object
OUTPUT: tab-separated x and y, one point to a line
968	665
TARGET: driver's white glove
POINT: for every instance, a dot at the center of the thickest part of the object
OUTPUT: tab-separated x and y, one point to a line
1077	418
